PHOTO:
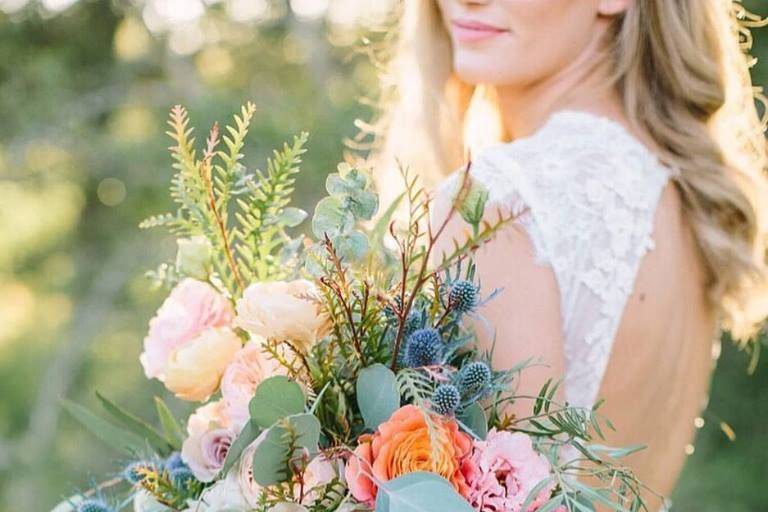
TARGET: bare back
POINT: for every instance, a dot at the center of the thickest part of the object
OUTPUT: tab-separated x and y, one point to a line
601	280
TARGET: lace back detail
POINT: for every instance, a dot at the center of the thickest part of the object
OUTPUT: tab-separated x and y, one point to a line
591	192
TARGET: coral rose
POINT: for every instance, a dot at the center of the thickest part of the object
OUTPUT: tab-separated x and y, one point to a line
403	445
191	308
195	369
503	470
284	311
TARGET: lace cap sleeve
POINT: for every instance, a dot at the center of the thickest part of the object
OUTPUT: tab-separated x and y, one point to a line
590	192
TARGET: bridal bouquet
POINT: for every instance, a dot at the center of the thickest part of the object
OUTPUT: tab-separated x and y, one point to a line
336	372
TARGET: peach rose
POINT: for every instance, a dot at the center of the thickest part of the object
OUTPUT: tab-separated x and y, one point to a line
248	368
195	369
403	445
192	307
284	311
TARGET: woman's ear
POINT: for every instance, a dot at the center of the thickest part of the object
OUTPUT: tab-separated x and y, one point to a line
613	7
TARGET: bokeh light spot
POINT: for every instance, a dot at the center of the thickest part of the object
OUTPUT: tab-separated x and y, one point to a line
111	192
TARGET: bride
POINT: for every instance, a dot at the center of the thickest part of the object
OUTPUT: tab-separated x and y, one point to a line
626	132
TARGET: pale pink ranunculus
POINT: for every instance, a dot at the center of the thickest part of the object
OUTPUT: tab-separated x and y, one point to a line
195	369
210	437
248	369
502	471
284	311
192	307
250	489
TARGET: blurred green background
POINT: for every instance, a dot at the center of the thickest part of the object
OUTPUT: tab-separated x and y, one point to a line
85	87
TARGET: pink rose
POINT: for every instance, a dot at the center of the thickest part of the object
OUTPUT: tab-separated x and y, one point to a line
503	470
249	367
210	437
192	307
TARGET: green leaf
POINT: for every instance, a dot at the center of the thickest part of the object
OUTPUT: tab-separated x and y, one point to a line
474	418
352	246
377	394
363	204
471	201
171	428
283	442
382	224
534	493
274	399
136	425
112	435
292	217
331	217
420	492
248	435
617	453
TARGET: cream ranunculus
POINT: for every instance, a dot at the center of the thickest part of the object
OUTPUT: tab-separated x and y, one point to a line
284	311
194	370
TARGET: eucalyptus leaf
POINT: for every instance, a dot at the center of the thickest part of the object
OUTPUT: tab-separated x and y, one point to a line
474	418
272	458
351	246
112	435
363	204
248	435
276	398
377	394
420	492
331	217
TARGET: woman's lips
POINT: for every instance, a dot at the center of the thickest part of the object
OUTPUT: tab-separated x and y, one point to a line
471	31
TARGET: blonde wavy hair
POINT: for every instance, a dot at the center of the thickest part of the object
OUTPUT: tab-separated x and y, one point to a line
682	69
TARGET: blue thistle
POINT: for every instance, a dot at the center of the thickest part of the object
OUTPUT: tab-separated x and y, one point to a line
174	461
93	506
135	472
475	377
446	399
414	321
463	296
424	347
181	478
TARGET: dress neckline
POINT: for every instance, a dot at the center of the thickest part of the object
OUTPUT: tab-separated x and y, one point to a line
580	118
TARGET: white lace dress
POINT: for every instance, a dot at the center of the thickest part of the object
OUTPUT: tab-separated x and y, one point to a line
590	191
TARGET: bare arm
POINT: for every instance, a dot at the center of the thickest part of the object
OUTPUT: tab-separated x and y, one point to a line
525	315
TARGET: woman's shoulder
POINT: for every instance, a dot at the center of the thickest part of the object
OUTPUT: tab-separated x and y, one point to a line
572	152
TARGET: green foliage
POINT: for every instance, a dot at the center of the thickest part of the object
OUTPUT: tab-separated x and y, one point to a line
274	399
255	246
173	432
286	446
136	425
115	437
377	394
419	492
248	435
